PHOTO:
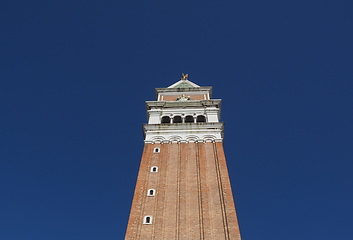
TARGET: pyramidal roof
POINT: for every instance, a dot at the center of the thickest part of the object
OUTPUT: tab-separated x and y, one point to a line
184	83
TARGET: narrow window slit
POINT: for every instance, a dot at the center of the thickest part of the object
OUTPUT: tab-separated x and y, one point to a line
147	220
151	192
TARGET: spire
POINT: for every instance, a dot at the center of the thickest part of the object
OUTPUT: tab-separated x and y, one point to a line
184	83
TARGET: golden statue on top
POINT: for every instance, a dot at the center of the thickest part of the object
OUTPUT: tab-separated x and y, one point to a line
185	76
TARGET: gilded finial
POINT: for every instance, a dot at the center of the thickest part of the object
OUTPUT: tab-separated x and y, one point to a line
185	76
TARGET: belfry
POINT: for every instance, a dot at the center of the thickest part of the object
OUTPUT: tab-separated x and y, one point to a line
183	189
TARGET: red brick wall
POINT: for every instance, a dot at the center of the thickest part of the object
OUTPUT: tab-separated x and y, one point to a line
193	194
192	97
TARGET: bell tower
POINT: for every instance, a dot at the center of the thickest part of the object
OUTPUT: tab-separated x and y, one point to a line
183	189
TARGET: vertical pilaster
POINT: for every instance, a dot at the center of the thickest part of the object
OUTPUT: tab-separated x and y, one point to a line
215	206
193	194
204	192
183	226
171	197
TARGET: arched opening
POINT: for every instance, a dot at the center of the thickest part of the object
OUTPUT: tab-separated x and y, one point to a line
177	119
154	169
165	119
156	150
189	119
201	118
147	220
151	192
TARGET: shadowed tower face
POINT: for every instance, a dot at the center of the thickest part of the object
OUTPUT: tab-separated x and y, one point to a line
183	189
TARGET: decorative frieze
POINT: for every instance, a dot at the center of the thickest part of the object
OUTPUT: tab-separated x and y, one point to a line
193	132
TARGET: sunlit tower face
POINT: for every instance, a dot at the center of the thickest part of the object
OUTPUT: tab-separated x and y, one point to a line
183	169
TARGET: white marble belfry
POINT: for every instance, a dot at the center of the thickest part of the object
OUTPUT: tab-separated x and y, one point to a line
182	119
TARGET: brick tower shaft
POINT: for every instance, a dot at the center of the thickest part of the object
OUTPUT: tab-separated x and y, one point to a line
183	189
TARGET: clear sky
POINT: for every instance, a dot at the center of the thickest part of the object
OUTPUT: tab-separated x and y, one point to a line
74	76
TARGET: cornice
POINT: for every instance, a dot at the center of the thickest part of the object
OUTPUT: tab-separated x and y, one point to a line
186	104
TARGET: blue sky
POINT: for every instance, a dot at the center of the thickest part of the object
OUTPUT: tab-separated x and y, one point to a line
74	76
